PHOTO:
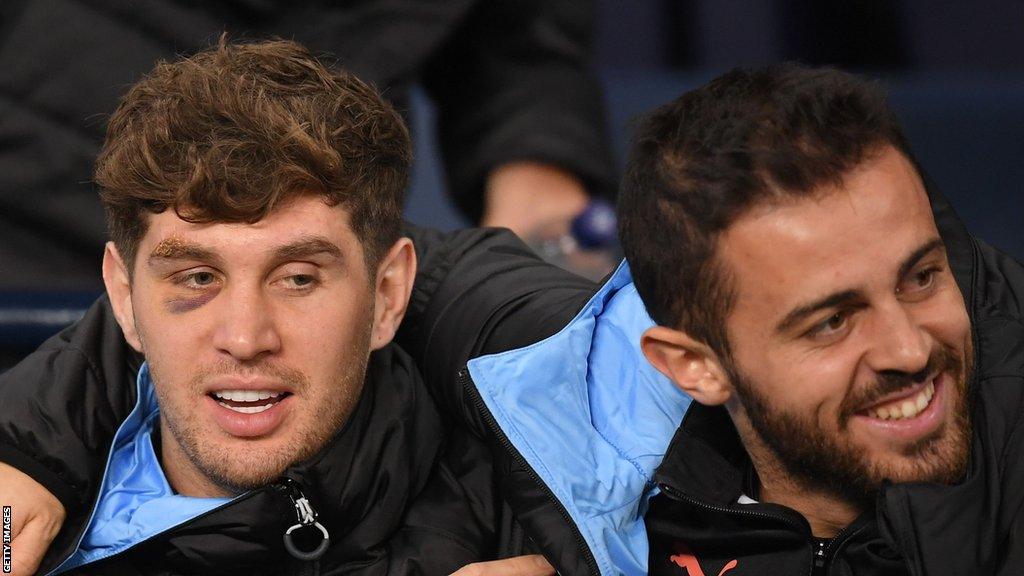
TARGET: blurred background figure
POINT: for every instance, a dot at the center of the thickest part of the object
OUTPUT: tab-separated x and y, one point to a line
508	118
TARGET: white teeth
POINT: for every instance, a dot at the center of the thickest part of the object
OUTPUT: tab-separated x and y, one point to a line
247	409
245	395
922	403
907	408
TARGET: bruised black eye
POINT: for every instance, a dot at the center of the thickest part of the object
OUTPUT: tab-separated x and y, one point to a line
196	279
203	278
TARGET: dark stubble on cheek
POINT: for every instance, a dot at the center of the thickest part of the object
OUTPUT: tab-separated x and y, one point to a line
816	458
237	472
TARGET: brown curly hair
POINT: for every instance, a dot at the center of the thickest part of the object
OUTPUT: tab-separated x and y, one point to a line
234	131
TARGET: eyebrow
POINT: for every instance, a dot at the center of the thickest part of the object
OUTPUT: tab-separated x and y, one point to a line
919	255
830	301
174	248
845	296
306	247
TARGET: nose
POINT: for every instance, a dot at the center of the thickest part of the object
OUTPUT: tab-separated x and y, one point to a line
899	342
246	328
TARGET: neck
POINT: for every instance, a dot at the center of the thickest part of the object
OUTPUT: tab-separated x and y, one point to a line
825	511
181	473
826	514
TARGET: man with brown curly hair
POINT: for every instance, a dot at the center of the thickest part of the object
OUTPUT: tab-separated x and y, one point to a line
253	174
258	271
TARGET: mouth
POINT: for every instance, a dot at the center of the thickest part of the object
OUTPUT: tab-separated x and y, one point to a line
907	405
909	415
247	413
248	401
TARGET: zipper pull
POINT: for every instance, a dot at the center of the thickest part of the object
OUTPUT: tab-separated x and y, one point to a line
820	559
306	518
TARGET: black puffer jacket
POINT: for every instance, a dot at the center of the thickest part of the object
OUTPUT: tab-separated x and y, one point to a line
395	497
505	300
510	78
480	292
401	489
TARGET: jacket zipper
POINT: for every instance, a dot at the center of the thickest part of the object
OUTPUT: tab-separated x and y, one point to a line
824	552
306	518
466	381
676	494
288	485
195	518
820	559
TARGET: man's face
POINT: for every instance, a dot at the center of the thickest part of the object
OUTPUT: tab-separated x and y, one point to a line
850	341
257	338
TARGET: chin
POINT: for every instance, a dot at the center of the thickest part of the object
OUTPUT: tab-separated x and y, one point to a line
942	460
242	475
244	465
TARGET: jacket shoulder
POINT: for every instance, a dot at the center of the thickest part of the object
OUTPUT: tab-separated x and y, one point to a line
72	393
999	282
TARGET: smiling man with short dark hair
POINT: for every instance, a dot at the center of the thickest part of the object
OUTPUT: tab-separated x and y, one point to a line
812	311
845	346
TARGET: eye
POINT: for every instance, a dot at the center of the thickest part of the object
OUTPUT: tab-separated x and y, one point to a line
831	326
919	282
197	279
203	278
925	278
300	282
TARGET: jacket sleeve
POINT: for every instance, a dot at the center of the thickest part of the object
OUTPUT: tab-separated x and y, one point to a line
453	521
480	291
61	407
514	83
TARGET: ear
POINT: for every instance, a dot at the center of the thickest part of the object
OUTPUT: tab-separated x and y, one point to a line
119	289
690	364
395	275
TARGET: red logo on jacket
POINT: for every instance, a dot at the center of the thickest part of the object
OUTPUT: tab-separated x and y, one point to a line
687	560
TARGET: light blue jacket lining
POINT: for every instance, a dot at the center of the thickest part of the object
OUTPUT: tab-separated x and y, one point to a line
592	417
135	502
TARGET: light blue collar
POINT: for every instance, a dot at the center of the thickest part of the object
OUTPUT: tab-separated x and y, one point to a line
592	418
135	501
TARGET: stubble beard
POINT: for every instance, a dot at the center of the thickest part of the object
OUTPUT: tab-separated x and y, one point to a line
815	459
238	468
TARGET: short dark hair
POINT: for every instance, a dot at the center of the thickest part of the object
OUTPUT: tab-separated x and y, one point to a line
747	138
234	131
